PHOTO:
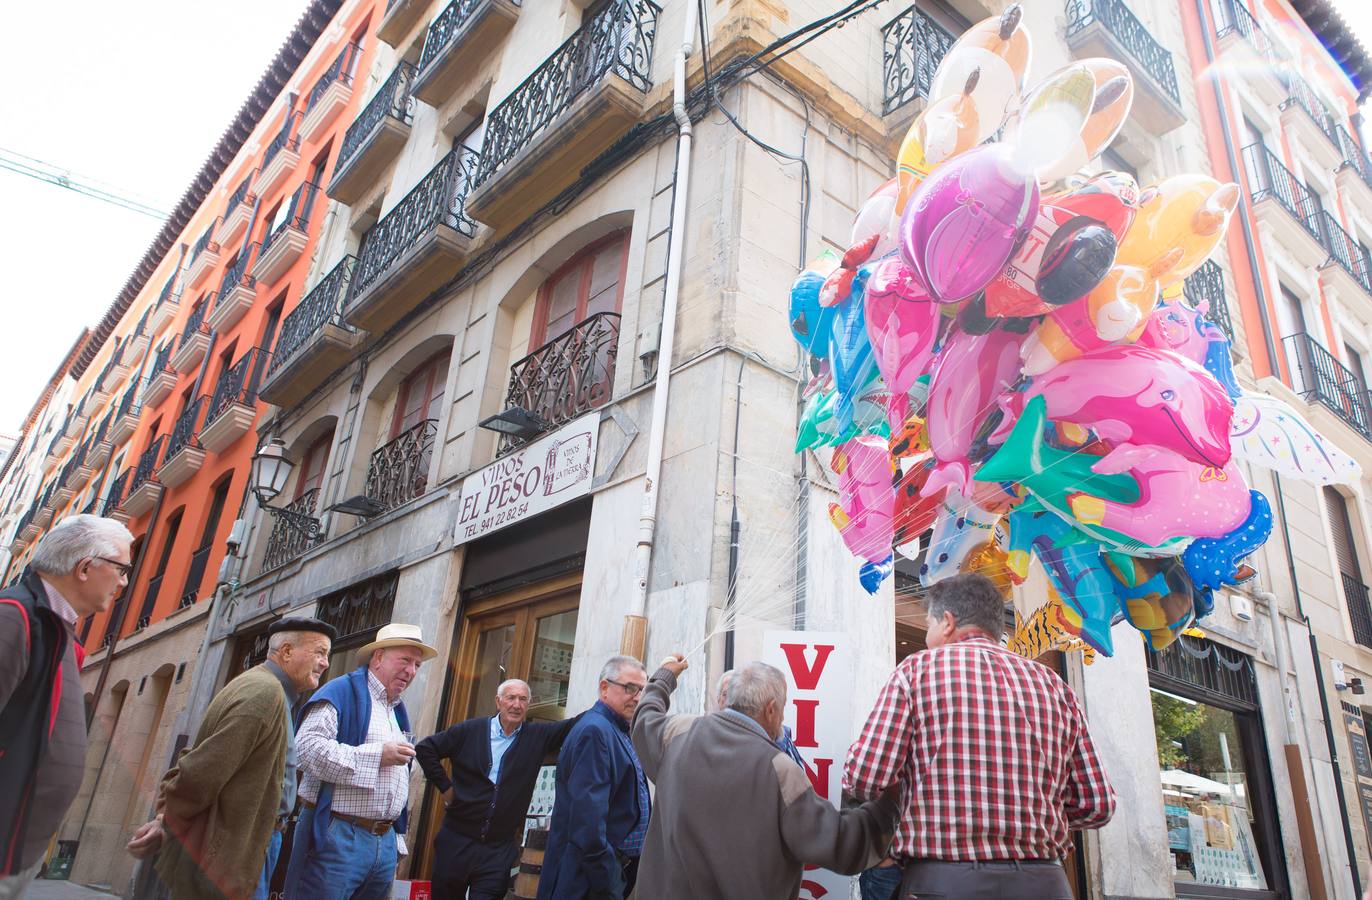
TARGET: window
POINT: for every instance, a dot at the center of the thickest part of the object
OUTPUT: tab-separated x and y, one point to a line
155	582
421	394
1350	571
1114	162
591	282
312	469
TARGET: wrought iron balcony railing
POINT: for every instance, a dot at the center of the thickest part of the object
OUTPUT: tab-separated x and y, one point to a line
196	574
1300	94
1354	155
445	28
1268	177
437	199
115	496
286	139
203	242
1206	284
239	195
1317	374
912	46
1359	608
149	602
572	374
186	429
161	362
393	100
1231	17
238	384
399	471
340	71
617	41
126	405
237	274
196	321
1346	251
287	540
1121	22
323	305
147	464
167	295
297	215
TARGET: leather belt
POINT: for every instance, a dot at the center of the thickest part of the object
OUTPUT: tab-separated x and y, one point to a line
374	827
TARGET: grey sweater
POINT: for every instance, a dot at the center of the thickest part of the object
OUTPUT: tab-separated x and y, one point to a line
735	818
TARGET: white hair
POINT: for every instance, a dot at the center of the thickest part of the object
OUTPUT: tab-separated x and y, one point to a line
508	683
722	687
616	664
753	686
75	538
294	638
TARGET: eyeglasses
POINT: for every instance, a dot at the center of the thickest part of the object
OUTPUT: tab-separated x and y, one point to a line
633	690
124	568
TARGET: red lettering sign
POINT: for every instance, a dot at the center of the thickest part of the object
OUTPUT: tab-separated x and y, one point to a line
819	776
805	723
807	677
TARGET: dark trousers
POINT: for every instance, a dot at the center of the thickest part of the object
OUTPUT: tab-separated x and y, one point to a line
462	864
934	880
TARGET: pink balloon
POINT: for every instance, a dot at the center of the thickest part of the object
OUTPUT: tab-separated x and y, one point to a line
965	220
1177	327
878	216
1129	394
865	512
902	323
970	374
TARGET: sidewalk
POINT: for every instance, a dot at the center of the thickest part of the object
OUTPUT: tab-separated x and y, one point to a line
43	889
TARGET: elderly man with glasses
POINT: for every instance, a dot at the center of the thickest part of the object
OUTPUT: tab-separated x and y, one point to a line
600	816
78	569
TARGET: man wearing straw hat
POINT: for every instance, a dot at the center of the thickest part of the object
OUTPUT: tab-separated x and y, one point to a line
355	748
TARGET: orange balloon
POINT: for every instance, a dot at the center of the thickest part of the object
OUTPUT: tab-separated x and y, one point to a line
999	47
1179	223
941	131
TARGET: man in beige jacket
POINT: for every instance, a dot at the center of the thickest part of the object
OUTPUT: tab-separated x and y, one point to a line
735	818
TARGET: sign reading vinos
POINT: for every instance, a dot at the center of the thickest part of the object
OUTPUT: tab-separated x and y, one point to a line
545	474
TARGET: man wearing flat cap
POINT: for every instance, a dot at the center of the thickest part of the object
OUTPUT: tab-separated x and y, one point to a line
355	750
223	806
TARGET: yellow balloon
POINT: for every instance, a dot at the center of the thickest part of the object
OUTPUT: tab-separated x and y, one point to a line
1179	223
943	130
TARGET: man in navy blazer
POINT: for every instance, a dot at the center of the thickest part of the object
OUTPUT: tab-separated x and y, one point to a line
495	762
600	816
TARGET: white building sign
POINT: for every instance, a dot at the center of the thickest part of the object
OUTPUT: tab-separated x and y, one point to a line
819	696
547	473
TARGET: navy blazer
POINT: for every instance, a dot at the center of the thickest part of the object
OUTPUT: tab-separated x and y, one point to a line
595	809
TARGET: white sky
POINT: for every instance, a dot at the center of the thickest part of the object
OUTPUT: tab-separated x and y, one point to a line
133	96
94	89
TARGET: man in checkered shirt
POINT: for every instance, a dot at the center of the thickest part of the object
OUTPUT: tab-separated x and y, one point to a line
994	753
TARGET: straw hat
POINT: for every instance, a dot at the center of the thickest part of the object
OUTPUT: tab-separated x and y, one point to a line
398	634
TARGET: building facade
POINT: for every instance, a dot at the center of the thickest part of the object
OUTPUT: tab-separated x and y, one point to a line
434	262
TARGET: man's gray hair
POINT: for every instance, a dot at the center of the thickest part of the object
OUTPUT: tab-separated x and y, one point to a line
722	687
294	638
508	683
616	664
972	599
755	684
76	538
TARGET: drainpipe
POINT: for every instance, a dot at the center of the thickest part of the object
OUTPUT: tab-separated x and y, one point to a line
634	639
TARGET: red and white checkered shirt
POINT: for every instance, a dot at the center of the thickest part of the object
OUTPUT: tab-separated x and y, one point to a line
993	752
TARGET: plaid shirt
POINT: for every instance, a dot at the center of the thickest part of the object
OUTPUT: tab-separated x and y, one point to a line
362	786
993	751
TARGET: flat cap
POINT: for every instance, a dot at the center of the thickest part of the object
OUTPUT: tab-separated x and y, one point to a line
303	623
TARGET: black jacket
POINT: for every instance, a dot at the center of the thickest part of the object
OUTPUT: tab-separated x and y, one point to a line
483	811
26	714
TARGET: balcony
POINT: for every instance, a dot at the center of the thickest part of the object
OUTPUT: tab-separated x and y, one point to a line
143	488
415	247
78	418
237	291
1206	285
400	18
375	137
184	455
1348	267
61	444
1110	28
199	562
313	341
126	417
233	405
399	471
1359	609
287	541
62	491
912	46
238	214
161	379
576	104
81	468
100	444
572	374
204	257
1317	375
330	94
1354	175
457	42
168	303
149	603
287	237
1284	205
133	349
112	508
1305	115
195	339
281	158
1249	50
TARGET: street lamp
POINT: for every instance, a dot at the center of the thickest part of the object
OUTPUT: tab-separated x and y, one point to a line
270	472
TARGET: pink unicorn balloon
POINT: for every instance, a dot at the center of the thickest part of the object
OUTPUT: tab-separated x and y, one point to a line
865	512
1177	327
902	323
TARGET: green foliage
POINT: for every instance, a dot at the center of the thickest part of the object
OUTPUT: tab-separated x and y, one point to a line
1173	720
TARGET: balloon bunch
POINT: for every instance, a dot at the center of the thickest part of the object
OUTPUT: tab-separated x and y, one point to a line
1003	356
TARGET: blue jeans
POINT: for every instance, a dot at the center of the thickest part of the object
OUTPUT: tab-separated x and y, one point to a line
880	883
352	865
264	884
